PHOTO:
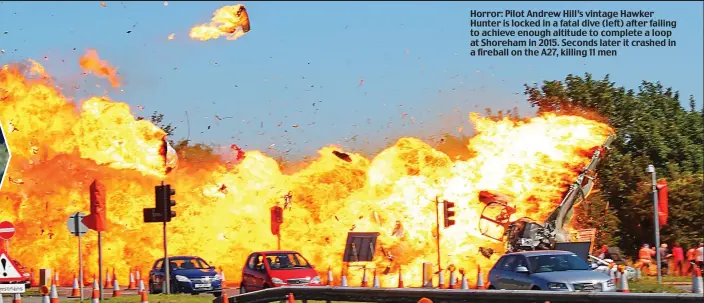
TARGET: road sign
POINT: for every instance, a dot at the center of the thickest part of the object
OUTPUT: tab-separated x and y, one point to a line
8	270
12	288
7	230
75	224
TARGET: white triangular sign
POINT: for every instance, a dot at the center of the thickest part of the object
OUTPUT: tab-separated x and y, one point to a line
7	268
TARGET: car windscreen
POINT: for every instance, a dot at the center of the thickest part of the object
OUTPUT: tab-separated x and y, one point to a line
286	261
550	263
189	263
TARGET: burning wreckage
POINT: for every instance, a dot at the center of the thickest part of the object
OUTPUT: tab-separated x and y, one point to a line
522	234
527	234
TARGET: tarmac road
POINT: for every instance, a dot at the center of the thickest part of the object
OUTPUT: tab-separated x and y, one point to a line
64	292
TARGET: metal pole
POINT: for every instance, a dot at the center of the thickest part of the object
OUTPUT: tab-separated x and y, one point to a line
166	264
100	264
7	246
80	253
656	220
437	239
166	251
278	240
80	267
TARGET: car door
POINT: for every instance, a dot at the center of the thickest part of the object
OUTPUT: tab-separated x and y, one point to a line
522	281
260	274
247	273
156	275
506	273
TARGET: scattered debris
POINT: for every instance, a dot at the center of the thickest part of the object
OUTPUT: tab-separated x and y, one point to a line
342	156
171	36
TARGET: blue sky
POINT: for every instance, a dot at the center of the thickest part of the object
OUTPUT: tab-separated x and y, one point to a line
413	57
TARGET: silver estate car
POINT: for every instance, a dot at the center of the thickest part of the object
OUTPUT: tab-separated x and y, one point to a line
553	270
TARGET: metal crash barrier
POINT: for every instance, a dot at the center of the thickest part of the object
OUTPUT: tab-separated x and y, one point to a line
412	295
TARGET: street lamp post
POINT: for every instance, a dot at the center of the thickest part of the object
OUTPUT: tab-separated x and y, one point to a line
651	170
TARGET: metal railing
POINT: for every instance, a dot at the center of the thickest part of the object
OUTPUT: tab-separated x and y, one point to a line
412	295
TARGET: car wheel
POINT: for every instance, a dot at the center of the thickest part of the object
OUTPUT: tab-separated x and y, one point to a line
217	294
243	290
491	287
152	288
194	294
535	288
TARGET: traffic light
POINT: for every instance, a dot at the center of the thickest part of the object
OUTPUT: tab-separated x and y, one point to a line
277	217
162	195
169	203
449	211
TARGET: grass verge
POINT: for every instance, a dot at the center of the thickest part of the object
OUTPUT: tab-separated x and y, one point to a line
180	298
650	285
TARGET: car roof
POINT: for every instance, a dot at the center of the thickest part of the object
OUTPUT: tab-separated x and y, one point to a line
181	257
272	252
534	253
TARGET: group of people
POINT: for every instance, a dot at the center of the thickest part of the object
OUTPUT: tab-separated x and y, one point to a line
681	262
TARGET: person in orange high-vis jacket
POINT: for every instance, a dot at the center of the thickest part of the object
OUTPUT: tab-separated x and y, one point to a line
645	256
691	254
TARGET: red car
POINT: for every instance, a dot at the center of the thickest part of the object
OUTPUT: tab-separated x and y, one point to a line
266	269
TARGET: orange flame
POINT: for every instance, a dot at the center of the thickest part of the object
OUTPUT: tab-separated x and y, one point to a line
230	21
223	211
90	62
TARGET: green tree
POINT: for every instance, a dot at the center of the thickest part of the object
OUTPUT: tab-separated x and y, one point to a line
158	120
653	128
4	155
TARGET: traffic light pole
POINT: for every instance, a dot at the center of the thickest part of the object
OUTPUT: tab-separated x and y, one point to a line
167	266
437	226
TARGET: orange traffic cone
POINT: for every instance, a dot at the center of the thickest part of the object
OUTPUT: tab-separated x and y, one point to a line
16	298
115	288
400	278
375	282
330	282
222	275
132	282
75	290
96	293
54	295
343	280
623	286
144	297
425	300
480	278
697	282
291	299
45	295
108	280
56	278
364	278
141	287
453	280
223	298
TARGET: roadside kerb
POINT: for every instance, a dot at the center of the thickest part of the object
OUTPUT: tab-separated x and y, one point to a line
412	295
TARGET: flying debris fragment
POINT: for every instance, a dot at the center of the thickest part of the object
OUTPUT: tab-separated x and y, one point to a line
91	62
486	252
342	155
171	36
230	21
170	156
239	153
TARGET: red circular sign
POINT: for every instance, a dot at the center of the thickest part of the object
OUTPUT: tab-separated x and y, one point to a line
7	230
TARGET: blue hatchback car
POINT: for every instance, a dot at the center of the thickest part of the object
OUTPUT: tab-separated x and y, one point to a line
188	274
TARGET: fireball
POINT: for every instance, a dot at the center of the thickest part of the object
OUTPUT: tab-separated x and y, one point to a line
230	21
60	147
